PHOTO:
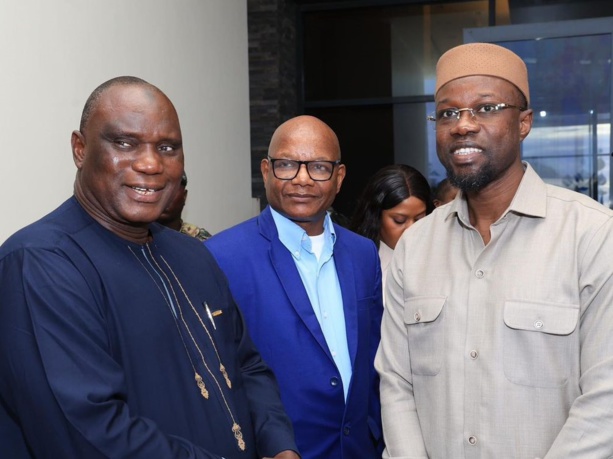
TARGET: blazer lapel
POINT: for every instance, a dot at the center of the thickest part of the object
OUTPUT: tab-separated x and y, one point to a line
346	277
288	275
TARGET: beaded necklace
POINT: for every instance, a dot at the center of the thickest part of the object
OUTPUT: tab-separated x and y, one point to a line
179	320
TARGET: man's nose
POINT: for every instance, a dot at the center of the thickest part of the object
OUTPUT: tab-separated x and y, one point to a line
148	160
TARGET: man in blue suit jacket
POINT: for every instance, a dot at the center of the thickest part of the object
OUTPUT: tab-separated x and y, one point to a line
311	295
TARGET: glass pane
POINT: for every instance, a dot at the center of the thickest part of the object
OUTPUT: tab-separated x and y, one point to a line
365	135
436	171
382	51
570	81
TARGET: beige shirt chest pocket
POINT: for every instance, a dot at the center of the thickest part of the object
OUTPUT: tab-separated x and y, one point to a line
423	318
539	342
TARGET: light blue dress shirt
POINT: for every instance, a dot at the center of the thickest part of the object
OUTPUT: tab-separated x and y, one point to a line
322	286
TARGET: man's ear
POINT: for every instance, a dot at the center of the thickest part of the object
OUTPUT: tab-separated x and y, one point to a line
77	141
264	165
340	176
525	120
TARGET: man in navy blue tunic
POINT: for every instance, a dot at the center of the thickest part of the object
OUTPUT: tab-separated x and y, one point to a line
118	336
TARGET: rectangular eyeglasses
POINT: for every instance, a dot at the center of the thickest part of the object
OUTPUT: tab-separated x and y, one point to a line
481	113
287	169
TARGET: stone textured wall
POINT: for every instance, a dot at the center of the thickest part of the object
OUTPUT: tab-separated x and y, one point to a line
272	76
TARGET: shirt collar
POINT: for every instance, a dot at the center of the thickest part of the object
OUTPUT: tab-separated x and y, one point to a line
294	238
530	198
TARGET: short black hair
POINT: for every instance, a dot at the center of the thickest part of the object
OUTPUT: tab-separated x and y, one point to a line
94	97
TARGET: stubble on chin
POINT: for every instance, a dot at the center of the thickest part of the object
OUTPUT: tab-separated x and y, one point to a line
472	181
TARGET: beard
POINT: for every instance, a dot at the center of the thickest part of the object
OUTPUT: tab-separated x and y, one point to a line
472	180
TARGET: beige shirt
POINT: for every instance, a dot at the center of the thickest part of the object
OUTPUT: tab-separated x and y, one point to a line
505	350
385	256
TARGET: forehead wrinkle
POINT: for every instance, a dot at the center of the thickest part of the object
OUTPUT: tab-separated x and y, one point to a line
127	126
123	113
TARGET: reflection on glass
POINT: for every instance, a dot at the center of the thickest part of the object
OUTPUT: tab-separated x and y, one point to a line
570	81
562	156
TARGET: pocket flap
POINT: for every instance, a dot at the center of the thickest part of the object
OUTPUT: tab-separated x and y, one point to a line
552	318
422	309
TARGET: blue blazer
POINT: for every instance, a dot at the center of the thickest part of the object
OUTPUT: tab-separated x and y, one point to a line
266	285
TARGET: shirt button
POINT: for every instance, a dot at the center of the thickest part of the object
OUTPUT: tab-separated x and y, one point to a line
346	430
472	440
538	324
334	381
474	354
479	273
417	317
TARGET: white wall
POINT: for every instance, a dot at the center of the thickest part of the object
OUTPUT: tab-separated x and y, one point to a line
54	53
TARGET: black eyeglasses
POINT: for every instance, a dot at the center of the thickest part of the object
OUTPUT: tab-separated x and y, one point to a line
287	169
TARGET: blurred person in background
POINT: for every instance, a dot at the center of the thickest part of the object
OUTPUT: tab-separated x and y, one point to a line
171	217
394	198
444	192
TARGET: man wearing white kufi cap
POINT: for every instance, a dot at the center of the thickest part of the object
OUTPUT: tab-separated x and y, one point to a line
497	337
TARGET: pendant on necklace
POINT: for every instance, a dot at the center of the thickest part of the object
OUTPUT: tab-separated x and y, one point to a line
200	382
225	375
239	436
